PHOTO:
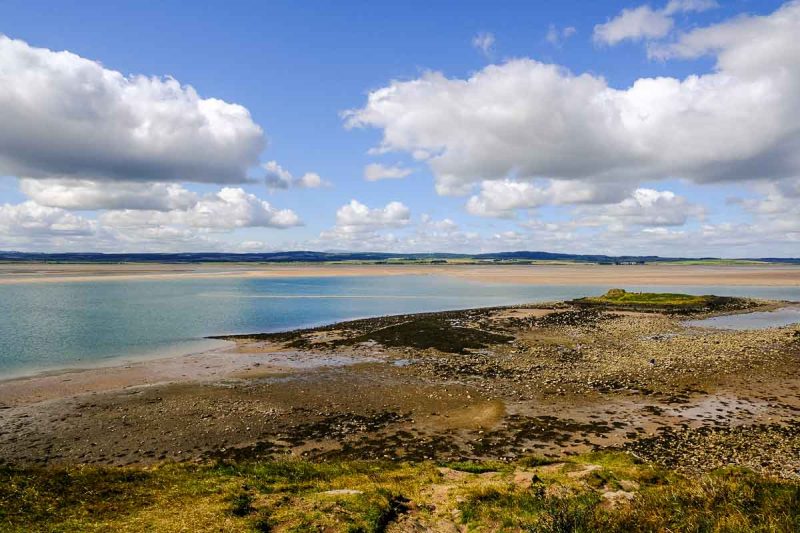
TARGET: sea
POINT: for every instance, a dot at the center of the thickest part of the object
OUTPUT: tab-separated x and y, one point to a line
79	324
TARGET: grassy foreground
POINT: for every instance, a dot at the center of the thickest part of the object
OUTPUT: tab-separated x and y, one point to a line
602	491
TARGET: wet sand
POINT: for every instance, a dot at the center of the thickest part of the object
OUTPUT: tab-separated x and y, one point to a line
538	274
491	383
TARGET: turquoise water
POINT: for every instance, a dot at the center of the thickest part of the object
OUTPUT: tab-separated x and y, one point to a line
47	326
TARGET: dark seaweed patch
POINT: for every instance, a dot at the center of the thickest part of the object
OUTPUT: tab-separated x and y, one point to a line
430	332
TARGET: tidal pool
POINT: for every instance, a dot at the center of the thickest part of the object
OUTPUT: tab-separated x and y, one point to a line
756	320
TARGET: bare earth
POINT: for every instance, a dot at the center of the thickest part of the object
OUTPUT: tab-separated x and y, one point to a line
544	274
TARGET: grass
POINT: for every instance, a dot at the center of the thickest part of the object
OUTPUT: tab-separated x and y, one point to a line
303	496
621	296
720	262
664	301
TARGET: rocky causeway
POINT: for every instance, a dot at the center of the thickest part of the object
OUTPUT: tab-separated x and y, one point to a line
493	383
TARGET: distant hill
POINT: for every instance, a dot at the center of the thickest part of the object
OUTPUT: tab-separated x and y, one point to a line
374	257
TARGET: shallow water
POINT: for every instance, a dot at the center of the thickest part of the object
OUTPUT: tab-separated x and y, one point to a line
757	320
46	326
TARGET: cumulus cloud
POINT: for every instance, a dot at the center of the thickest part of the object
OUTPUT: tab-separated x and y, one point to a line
776	212
227	209
484	42
400	234
92	195
29	226
357	215
635	24
643	22
31	219
359	227
645	207
525	120
277	177
743	45
503	198
556	36
69	117
376	171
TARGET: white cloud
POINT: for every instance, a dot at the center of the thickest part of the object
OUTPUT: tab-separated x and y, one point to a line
277	177
556	36
359	227
311	180
743	45
29	226
91	195
645	207
68	117
503	198
777	211
31	219
376	171
635	24
643	22
686	6
225	210
484	42
526	120
357	215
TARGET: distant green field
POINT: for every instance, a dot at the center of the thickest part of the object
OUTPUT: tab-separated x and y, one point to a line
719	262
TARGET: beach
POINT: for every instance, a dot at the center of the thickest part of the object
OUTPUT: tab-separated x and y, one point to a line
539	274
487	384
587	399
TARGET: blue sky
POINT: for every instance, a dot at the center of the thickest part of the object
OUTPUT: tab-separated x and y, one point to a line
484	180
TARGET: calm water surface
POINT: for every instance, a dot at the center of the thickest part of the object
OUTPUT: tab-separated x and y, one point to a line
59	325
759	320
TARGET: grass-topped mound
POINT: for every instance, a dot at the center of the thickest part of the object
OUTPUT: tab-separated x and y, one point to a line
664	302
601	491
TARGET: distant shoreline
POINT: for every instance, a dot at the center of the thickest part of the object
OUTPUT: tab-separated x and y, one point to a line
536	274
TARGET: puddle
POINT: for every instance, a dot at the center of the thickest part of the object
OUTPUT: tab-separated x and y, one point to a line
718	407
756	320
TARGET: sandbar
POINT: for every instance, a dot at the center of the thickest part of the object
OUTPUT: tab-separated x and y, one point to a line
535	274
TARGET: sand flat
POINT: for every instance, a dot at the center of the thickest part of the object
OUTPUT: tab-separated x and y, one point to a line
538	274
571	380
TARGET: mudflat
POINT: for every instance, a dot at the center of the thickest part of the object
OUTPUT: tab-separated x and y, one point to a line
482	384
541	274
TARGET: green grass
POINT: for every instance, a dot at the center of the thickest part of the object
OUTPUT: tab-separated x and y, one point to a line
664	301
620	296
720	262
295	496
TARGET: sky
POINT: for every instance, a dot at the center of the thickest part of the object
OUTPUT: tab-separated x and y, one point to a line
668	128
